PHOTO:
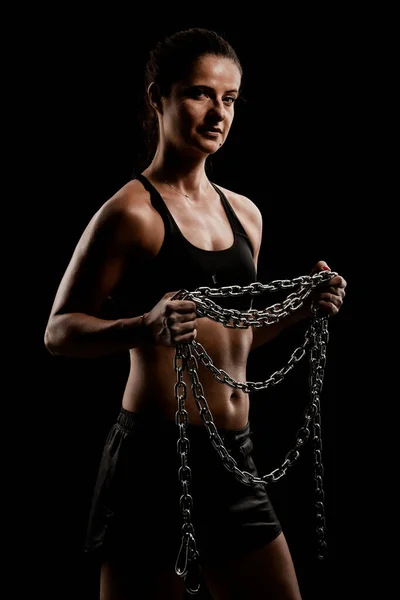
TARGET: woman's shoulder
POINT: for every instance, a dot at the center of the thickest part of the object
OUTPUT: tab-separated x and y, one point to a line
240	203
131	202
126	213
131	198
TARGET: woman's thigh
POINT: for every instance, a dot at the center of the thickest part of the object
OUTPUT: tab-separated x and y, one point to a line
266	572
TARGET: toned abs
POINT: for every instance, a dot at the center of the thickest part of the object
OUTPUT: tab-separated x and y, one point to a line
152	377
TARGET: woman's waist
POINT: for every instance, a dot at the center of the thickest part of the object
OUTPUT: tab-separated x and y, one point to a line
218	375
203	397
162	421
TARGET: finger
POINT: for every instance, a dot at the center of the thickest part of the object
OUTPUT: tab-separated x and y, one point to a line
188	337
330	304
320	266
181	332
336	291
181	306
331	299
178	326
328	307
337	281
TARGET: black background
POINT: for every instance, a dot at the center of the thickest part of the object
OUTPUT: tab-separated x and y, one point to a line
300	148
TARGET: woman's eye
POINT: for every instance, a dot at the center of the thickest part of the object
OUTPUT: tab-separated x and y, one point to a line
199	94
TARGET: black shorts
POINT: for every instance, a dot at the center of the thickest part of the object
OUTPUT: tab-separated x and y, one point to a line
135	510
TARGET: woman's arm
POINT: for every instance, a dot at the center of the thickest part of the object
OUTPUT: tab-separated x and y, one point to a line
74	327
329	298
122	230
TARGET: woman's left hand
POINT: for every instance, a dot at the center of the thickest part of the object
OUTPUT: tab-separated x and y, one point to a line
329	296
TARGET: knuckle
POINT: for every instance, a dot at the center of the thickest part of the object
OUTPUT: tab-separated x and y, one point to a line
169	307
171	322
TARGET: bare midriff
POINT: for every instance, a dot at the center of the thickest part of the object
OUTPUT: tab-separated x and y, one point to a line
152	378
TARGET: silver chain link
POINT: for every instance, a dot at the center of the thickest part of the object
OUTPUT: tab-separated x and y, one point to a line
316	339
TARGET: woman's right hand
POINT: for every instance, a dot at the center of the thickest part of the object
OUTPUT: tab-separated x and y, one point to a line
171	322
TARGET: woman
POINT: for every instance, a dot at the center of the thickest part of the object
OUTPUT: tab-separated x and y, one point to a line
171	228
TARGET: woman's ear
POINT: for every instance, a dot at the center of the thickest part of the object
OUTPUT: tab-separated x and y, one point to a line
153	92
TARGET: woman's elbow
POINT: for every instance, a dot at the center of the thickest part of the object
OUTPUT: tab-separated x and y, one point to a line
54	340
49	342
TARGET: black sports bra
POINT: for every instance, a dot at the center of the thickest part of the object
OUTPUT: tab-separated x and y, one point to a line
179	264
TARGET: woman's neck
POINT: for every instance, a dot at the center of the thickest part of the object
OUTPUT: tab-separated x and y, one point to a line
188	176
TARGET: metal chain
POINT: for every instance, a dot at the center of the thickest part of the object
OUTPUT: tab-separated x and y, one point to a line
250	386
187	560
317	359
316	339
232	318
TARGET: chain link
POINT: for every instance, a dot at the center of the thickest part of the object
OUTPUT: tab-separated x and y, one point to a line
316	339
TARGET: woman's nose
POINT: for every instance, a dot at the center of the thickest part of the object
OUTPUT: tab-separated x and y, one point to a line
218	109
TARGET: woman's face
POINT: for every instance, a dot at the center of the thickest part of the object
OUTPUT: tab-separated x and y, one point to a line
198	113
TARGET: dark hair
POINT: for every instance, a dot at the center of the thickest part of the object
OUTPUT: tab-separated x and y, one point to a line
170	61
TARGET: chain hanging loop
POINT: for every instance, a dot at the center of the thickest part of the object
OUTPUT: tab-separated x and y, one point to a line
315	342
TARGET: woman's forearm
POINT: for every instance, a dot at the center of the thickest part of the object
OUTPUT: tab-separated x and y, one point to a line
84	336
